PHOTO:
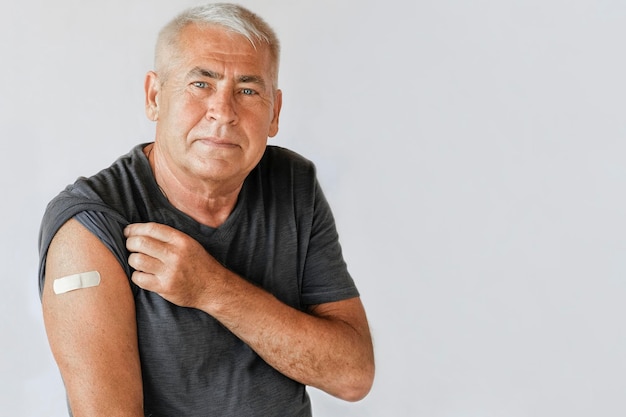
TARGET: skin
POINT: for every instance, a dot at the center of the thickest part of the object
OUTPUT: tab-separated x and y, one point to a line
215	106
92	332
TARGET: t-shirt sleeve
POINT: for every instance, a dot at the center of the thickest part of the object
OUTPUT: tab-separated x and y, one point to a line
105	224
110	231
326	276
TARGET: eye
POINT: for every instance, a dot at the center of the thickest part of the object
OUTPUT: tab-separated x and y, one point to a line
248	92
200	84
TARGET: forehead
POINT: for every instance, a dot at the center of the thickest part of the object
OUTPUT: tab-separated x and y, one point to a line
214	45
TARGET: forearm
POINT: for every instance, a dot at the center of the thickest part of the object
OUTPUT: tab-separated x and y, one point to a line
329	348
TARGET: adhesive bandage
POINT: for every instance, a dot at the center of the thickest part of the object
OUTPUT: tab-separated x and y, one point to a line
76	281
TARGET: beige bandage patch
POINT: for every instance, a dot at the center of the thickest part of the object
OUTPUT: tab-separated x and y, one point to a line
76	282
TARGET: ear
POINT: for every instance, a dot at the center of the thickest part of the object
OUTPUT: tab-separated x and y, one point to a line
152	88
278	102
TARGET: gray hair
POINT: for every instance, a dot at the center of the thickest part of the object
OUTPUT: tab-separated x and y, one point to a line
232	17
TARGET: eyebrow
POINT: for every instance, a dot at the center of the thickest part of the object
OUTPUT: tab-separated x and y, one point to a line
203	72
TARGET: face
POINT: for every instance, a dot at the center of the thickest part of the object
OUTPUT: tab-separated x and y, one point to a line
216	106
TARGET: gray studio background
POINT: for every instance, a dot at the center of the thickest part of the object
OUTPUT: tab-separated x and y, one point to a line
473	153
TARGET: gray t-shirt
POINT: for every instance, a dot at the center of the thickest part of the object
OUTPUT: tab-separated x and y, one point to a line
281	236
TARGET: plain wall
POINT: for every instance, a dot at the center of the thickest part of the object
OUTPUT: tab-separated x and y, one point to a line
473	153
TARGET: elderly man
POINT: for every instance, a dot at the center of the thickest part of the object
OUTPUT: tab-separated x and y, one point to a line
201	274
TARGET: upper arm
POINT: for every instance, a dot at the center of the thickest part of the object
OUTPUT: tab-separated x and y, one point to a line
350	311
350	314
92	331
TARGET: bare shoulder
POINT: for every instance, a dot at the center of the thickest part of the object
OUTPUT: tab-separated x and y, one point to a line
74	250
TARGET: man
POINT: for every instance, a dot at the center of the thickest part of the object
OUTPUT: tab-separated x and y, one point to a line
201	274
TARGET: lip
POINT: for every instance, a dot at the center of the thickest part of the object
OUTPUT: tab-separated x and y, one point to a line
217	142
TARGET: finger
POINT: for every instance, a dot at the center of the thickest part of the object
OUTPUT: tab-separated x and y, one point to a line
146	245
154	230
145	263
146	281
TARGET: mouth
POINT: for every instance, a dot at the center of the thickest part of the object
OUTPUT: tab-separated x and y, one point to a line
216	142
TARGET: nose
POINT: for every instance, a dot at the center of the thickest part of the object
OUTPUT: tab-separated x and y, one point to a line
221	107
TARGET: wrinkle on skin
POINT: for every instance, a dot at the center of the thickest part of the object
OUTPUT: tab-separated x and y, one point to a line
214	116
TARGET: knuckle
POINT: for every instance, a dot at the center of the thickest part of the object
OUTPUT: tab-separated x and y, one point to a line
136	261
140	243
151	227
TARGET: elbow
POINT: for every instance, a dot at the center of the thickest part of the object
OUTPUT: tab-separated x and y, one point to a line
359	385
355	394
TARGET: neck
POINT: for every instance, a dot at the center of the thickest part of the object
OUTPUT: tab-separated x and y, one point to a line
206	202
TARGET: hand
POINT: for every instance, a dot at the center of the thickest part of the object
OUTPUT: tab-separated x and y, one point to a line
171	264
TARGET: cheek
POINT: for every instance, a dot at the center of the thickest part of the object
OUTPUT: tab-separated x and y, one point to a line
184	115
260	114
